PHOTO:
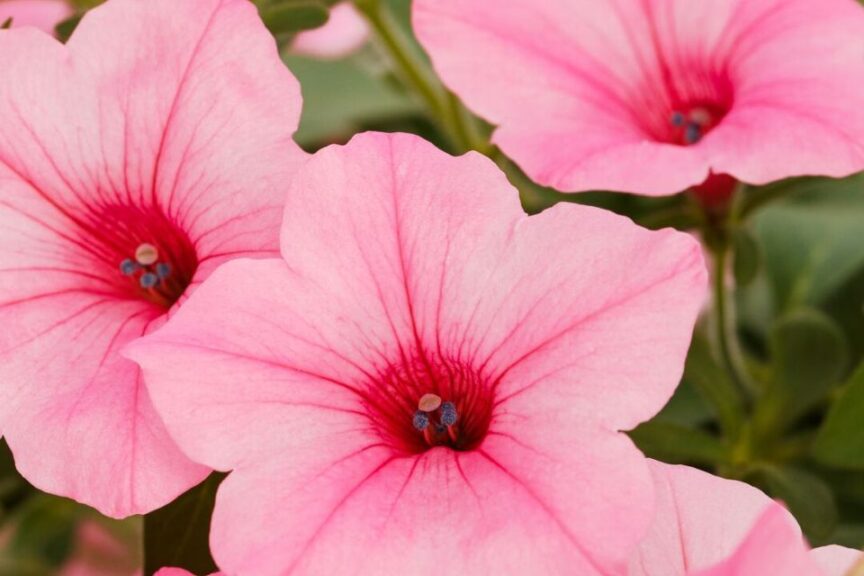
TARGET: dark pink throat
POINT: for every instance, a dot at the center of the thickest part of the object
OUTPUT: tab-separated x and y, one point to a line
428	401
683	108
146	255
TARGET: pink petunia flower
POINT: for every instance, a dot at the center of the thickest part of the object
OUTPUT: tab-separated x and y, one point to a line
134	160
652	96
430	381
42	14
344	33
708	526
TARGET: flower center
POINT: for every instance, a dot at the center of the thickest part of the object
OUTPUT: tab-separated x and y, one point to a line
690	124
154	278
151	258
430	402
684	102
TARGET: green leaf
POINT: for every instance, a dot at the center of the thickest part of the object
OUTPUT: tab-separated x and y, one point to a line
65	28
808	497
840	442
811	240
713	384
809	357
343	97
748	257
45	528
678	444
290	17
178	534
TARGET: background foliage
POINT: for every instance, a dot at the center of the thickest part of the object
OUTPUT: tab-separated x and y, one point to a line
773	392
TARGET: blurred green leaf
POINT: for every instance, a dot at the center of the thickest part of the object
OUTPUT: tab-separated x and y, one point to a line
748	257
811	240
178	534
45	528
65	28
809	357
343	96
678	444
808	497
292	16
712	383
840	441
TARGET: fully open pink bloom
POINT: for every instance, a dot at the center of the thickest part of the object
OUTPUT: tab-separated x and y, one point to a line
345	32
134	160
42	14
650	96
709	526
430	379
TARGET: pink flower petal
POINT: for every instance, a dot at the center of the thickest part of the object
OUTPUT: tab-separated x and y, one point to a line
837	560
701	520
774	546
709	526
42	14
159	122
345	32
410	272
584	92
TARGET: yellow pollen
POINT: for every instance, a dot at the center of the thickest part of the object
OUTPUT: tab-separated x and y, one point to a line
429	402
146	254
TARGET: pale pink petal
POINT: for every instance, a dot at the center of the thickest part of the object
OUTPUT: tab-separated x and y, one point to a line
773	546
405	268
345	32
159	120
583	91
701	520
179	572
798	108
42	14
837	560
443	512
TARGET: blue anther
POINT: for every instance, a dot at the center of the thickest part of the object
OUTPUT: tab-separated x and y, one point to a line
148	280
693	133
448	414
421	420
677	119
128	267
163	269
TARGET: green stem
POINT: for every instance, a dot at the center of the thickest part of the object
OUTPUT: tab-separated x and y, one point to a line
723	321
418	75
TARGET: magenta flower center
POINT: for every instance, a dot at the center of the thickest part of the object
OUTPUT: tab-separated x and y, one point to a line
150	257
683	108
430	401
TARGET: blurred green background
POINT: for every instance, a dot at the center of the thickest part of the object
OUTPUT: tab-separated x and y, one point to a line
793	425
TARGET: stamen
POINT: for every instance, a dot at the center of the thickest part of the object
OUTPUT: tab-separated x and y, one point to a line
693	133
677	119
146	254
163	270
448	414
128	267
429	402
421	420
148	280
